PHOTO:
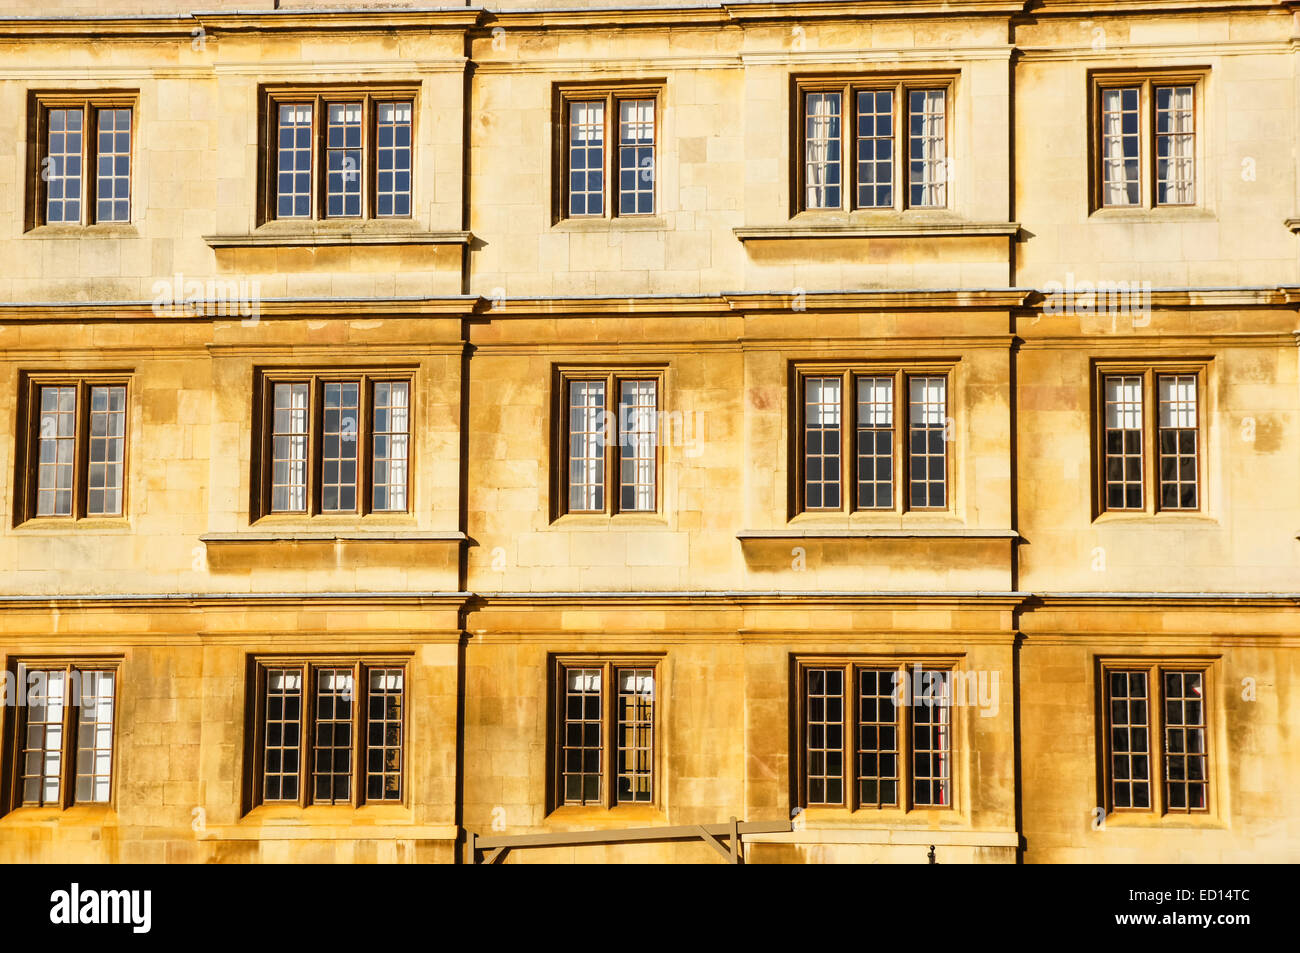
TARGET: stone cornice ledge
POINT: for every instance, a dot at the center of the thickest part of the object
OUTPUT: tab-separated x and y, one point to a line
892	229
310	21
331	536
890	299
868	532
351	237
902	837
326	830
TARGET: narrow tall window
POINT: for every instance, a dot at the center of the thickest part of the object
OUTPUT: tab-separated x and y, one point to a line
1121	145
587	158
605	152
616	412
638	444
339	453
342	160
282	741
824	727
332	741
1186	780
592	766
289	449
878	742
391	444
338	154
1144	408
634	721
113	166
58	444
329	732
1124	442
875	442
875	734
873	143
822	145
1178	426
336	444
62	172
822	415
1175	146
384	740
927	447
927	148
586	446
107	450
932	743
393	159
293	148
583	743
65	734
1146	702
875	148
76	449
636	156
1130	743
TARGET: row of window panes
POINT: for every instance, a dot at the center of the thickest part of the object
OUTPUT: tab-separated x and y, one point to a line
346	153
873	135
345	444
874	437
635	420
859	156
870	737
329	715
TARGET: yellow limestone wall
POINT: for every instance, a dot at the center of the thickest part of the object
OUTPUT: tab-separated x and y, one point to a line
485	298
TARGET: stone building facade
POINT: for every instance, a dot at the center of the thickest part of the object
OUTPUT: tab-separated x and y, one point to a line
547	417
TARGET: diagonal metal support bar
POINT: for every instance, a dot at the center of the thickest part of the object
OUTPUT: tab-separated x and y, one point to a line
488	850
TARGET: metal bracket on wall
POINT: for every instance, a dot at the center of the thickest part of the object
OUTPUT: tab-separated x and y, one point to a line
724	838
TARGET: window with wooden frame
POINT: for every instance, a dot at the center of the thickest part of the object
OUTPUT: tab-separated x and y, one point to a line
872	143
1145	139
872	439
1156	735
609	439
333	442
875	733
338	153
606	140
71	455
63	736
80	150
1150	425
604	731
328	731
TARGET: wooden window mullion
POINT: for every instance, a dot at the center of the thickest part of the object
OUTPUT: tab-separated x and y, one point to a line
848	449
306	736
1151	443
852	712
68	758
365	440
608	741
81	447
1157	723
611	438
907	797
359	740
258	760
